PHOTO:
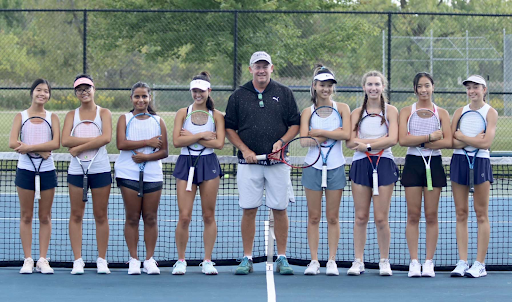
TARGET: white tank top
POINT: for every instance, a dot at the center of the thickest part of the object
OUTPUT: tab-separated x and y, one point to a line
483	111
426	152
209	126
101	163
387	152
336	158
24	161
126	168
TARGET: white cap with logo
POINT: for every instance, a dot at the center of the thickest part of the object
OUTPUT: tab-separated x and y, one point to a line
260	56
475	79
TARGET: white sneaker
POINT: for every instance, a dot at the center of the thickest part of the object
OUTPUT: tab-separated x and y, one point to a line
313	268
385	268
133	266
460	269
477	270
208	268
43	267
414	269
150	267
428	269
78	267
357	268
332	268
28	266
102	266
180	267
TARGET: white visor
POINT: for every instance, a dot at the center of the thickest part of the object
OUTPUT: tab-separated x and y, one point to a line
475	79
200	84
325	77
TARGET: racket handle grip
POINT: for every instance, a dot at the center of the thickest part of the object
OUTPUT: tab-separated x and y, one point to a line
324	176
85	187
471	180
429	180
141	184
375	178
37	187
191	172
261	157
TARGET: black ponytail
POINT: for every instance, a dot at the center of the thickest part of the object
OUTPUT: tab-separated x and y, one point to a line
205	76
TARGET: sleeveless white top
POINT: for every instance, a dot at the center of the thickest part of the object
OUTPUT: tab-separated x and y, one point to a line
101	164
126	168
24	161
336	158
483	111
209	126
426	151
387	152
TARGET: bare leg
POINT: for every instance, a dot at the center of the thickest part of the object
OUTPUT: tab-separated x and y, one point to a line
314	199
332	213
362	199
45	220
76	219
413	196
26	198
208	190
249	229
431	217
481	205
150	203
460	197
281	230
100	210
381	205
133	210
185	206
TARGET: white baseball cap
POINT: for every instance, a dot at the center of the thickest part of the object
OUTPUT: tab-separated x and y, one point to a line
475	79
200	84
260	56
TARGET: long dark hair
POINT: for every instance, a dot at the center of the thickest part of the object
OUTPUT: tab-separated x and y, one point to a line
205	76
145	86
417	78
383	99
40	81
319	68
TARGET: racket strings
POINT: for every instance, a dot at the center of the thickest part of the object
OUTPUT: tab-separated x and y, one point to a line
371	127
297	149
35	132
471	124
423	123
87	130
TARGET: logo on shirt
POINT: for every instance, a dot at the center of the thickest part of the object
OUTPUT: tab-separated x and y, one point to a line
275	98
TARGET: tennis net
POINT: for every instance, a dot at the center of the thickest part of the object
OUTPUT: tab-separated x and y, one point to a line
228	246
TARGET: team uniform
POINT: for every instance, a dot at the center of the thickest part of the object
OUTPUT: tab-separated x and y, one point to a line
414	173
260	123
208	166
312	176
361	171
459	168
25	173
99	174
127	171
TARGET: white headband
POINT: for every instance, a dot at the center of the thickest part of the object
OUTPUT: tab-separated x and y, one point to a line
200	84
325	77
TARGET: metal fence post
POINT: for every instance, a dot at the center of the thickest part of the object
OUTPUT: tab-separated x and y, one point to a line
85	43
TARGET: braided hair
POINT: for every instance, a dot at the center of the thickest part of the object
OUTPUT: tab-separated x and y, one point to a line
383	99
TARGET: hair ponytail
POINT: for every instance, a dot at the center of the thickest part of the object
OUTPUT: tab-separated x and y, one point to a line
205	76
319	68
145	86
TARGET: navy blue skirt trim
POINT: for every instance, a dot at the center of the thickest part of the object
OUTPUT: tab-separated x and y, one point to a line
207	168
459	170
413	174
361	171
26	179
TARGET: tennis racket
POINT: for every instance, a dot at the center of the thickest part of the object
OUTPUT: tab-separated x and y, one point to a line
471	123
326	118
142	126
424	122
373	126
293	152
34	131
195	123
86	129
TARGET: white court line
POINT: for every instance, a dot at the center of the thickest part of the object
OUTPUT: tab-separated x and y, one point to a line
269	247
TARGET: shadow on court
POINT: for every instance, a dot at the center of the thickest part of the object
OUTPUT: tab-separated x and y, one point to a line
194	286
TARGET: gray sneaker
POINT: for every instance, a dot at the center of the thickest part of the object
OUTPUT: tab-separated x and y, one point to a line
283	267
245	267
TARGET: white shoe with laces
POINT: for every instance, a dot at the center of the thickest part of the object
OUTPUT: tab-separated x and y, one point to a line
28	266
43	266
428	269
313	268
414	269
150	267
78	267
357	268
208	268
102	266
180	267
385	268
461	269
332	268
133	266
477	270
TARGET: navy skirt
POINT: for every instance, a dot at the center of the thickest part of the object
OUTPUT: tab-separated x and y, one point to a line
26	179
361	171
459	170
208	167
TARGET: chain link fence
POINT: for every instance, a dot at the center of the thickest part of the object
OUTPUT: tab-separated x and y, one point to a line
167	48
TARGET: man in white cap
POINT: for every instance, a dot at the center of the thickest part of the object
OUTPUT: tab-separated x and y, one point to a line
261	116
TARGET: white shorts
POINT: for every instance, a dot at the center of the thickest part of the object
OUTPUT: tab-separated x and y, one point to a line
275	179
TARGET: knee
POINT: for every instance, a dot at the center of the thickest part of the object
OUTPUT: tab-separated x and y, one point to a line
381	222
26	218
101	218
431	218
482	217
150	220
208	218
184	220
76	218
334	220
314	219
462	215
132	221
361	220
45	219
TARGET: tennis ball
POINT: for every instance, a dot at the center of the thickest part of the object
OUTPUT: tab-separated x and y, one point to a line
226	175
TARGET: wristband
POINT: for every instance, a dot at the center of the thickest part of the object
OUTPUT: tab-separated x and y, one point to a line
429	138
422	145
282	141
